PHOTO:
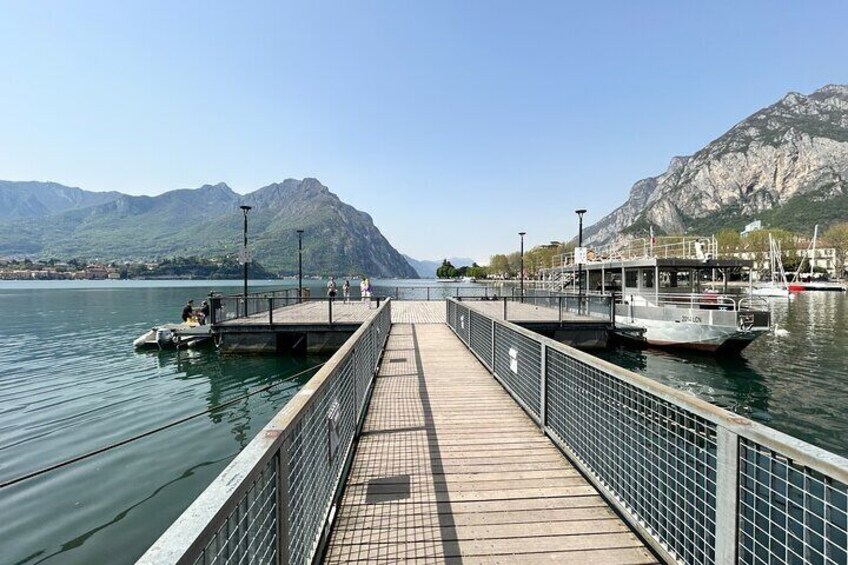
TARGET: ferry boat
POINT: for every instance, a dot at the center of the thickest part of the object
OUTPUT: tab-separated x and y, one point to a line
670	292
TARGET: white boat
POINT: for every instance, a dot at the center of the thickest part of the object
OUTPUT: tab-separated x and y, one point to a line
813	284
168	336
777	286
468	280
661	291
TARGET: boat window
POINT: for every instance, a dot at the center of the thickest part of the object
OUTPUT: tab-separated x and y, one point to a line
647	279
631	279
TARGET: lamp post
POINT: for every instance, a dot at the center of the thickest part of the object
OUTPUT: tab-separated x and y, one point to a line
245	209
522	234
299	265
580	265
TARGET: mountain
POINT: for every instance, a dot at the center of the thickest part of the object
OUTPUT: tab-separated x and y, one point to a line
31	199
787	165
207	222
427	269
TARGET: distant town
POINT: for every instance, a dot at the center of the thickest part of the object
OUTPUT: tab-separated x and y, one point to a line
172	268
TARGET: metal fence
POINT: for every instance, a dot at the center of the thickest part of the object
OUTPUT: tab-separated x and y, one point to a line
702	485
274	502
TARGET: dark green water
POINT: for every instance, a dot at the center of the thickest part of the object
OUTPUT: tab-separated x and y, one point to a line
794	380
70	382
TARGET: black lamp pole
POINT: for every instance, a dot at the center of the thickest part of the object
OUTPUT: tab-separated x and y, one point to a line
299	265
245	209
580	265
522	234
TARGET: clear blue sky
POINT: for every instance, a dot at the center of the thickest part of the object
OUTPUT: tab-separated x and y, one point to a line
455	124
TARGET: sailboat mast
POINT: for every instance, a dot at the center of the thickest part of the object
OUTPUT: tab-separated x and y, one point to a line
813	259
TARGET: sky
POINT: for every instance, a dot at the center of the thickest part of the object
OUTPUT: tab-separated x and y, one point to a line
454	124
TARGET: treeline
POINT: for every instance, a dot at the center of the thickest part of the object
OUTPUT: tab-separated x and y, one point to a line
198	268
507	266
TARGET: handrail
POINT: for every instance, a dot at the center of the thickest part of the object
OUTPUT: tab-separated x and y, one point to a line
273	501
699	483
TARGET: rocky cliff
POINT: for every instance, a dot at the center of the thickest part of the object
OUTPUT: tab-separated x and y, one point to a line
786	164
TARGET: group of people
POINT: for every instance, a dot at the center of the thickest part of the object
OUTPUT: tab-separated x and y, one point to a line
364	289
200	315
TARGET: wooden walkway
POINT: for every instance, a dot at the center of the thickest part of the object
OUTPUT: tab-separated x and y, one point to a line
519	312
450	470
354	312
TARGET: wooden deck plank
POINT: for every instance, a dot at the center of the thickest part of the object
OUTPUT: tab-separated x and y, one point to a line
450	469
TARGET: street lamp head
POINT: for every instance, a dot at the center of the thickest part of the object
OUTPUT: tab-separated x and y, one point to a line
522	233
245	208
299	231
580	212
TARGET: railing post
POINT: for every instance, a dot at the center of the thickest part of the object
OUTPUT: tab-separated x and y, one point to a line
397	293
270	311
543	388
283	502
493	346
727	495
560	309
504	308
428	294
330	310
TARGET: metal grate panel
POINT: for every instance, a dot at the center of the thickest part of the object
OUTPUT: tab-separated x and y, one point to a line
789	513
313	474
656	458
249	533
481	338
518	364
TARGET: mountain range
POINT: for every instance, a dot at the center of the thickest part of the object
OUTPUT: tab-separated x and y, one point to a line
51	220
786	165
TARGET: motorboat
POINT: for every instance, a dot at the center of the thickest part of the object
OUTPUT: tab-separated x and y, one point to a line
172	336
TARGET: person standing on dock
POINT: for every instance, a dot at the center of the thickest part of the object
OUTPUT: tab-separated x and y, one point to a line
203	313
331	288
188	310
346	291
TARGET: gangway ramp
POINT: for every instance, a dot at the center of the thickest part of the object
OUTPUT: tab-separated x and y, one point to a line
450	469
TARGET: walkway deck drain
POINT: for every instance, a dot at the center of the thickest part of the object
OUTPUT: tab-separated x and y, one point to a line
398	360
386	489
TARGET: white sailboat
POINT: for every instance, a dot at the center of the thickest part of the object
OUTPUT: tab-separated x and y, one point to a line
798	285
778	285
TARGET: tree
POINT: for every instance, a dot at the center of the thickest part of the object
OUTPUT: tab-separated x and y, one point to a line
729	241
476	271
446	271
836	236
499	265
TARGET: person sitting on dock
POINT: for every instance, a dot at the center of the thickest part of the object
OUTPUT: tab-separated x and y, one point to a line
188	310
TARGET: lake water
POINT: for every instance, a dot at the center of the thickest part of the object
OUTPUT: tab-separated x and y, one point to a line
70	382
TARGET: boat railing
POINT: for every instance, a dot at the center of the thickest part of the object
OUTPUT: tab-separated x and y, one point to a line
699	483
273	502
694	300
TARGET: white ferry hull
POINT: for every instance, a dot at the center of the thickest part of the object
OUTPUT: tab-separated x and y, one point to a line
698	329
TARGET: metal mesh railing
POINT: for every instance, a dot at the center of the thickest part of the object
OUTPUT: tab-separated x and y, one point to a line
657	458
249	533
481	338
272	503
789	513
518	366
700	484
